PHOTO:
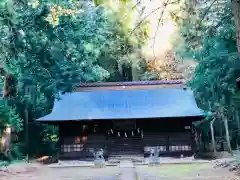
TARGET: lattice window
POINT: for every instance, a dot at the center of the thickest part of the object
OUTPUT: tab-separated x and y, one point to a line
160	148
71	148
180	148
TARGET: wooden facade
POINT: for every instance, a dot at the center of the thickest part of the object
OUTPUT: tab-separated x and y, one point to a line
173	137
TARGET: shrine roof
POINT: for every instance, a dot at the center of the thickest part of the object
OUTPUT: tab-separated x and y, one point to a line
124	104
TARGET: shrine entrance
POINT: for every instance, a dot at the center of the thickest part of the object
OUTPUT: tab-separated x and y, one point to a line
125	139
125	129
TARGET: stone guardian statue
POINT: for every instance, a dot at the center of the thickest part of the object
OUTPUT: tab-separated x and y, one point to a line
99	160
154	156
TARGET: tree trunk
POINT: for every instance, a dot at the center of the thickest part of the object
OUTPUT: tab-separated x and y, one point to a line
135	74
213	138
238	128
8	82
236	13
227	135
5	144
9	90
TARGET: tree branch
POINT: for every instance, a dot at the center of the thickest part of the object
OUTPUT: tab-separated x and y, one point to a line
139	23
158	25
164	5
205	13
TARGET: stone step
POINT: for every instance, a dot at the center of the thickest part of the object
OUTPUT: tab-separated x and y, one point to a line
128	174
118	159
119	154
125	155
125	150
127	170
126	164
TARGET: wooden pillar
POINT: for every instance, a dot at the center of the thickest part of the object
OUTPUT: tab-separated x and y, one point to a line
168	144
213	138
198	141
193	140
227	134
59	142
61	138
238	127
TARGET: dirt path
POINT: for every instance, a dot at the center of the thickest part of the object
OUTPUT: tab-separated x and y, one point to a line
163	172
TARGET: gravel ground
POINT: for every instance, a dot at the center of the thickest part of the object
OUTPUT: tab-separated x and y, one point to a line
163	172
185	172
108	173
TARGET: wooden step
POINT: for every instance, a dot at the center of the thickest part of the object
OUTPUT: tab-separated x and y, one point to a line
133	158
119	146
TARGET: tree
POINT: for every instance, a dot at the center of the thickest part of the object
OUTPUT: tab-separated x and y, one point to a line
56	58
209	37
164	69
128	41
9	119
55	46
236	13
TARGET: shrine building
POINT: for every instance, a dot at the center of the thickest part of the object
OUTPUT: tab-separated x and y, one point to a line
126	118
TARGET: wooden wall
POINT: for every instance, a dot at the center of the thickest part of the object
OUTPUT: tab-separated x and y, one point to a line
172	136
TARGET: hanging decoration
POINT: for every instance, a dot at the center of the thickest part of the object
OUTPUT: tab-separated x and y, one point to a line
133	133
84	128
138	130
95	128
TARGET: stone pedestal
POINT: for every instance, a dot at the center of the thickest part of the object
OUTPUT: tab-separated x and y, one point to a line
154	160
154	157
99	163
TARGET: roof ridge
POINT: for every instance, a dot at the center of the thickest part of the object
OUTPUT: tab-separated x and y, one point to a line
130	83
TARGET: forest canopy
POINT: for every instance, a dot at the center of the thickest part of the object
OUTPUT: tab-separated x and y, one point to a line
52	46
48	47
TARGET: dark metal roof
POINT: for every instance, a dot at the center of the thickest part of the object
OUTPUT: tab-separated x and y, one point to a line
131	83
124	104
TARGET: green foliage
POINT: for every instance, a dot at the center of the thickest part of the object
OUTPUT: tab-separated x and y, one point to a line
50	139
16	151
125	49
89	44
50	133
208	35
58	58
9	116
211	41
